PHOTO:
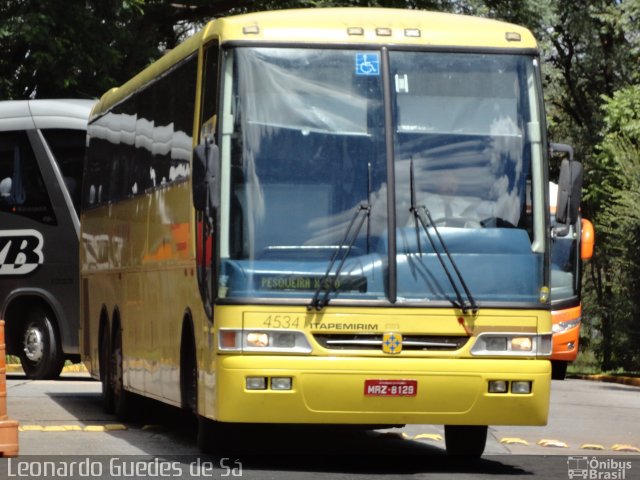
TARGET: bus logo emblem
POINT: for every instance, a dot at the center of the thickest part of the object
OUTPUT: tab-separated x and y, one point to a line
20	251
392	342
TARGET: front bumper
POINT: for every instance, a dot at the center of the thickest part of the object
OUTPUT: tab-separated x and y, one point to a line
331	390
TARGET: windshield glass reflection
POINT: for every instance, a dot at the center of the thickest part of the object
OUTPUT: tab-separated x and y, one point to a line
308	151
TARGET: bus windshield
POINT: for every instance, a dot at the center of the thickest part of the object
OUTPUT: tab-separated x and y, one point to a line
309	133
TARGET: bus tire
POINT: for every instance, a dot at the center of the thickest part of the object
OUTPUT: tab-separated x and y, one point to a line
40	349
465	440
188	369
108	404
213	437
122	401
558	369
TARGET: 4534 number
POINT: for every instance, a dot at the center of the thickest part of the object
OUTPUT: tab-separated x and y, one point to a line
281	321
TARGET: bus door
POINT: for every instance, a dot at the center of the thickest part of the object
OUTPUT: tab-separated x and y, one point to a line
205	178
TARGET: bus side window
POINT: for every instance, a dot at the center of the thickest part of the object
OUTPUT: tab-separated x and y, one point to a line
22	188
209	107
68	149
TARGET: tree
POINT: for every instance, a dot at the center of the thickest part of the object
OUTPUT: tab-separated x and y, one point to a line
591	51
619	233
55	49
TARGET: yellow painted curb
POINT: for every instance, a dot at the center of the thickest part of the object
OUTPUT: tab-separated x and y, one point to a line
513	440
591	446
75	368
552	443
633	381
30	428
94	428
72	428
428	436
54	428
625	448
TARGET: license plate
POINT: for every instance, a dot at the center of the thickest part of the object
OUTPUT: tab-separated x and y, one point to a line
390	388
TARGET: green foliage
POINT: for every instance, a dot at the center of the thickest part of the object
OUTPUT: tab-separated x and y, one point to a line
71	49
618	225
590	52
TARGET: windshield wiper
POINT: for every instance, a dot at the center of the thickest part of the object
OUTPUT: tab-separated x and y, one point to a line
321	296
419	212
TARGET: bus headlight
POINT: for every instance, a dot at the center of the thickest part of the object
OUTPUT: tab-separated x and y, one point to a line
280	341
564	326
512	344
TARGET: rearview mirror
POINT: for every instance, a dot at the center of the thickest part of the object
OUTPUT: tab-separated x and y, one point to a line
569	190
204	174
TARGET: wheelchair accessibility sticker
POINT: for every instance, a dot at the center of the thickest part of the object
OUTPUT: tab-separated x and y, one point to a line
368	64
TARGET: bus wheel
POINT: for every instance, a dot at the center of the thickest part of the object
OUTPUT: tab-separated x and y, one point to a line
465	440
41	354
121	398
105	373
213	437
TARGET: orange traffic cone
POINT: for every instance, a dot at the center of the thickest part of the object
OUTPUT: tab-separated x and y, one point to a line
8	428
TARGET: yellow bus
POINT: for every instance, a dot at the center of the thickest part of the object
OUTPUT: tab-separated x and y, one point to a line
326	216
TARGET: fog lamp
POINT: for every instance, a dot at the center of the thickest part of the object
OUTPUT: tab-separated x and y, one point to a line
256	383
498	386
520	387
281	383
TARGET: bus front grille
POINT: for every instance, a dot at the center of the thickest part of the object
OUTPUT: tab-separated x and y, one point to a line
341	341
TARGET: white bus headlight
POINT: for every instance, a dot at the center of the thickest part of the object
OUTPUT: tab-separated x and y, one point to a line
521	344
280	341
564	326
510	344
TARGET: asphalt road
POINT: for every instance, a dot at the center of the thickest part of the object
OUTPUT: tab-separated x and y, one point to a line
64	419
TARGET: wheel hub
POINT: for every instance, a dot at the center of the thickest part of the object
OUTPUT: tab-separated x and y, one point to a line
33	344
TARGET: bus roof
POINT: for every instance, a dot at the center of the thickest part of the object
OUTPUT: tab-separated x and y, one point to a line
41	113
363	25
340	26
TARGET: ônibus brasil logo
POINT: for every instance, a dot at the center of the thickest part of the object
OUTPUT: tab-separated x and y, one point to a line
598	468
20	251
